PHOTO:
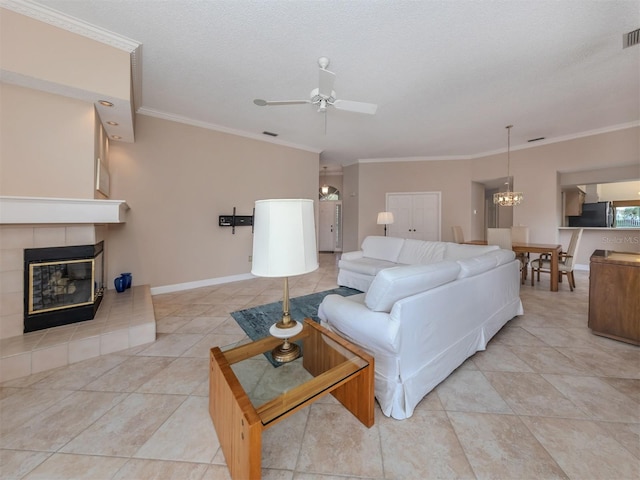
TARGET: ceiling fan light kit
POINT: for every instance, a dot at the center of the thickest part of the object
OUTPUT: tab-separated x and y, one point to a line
324	96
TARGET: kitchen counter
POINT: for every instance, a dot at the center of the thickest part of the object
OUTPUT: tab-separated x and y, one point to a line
601	228
600	238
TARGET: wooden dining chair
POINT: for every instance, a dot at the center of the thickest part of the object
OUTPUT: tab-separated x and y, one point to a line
458	235
520	234
502	238
565	262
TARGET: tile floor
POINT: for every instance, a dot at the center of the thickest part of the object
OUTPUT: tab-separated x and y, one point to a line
547	399
123	320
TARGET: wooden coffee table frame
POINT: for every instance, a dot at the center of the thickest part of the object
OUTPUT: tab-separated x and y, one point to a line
239	424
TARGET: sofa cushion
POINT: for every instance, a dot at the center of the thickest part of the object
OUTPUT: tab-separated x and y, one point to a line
420	251
382	248
393	284
367	266
502	256
470	267
457	251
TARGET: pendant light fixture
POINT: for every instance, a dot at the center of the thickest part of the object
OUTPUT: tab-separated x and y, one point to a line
508	198
325	188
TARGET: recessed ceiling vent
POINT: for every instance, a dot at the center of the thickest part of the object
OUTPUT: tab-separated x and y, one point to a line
630	39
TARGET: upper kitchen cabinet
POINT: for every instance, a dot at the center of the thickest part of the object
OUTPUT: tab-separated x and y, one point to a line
573	200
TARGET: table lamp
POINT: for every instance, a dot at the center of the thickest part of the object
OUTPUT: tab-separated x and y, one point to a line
385	218
284	245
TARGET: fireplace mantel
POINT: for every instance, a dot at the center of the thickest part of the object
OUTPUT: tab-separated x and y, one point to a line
42	210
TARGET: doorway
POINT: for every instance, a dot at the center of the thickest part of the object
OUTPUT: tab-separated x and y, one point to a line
330	226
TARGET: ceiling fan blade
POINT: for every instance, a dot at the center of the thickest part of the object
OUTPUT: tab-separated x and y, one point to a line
263	103
357	107
325	87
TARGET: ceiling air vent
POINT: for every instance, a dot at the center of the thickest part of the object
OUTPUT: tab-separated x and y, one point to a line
630	39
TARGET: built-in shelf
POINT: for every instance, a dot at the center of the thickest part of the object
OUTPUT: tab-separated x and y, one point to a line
43	210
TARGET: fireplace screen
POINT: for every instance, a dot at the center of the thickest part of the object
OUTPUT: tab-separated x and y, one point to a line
62	285
56	285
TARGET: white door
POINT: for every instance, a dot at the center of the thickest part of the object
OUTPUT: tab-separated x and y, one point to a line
329	226
402	208
415	215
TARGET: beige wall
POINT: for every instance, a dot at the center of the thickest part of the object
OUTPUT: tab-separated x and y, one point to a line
47	53
178	179
452	178
536	172
47	144
620	190
350	206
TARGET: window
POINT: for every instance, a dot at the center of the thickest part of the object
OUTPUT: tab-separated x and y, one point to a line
333	194
627	213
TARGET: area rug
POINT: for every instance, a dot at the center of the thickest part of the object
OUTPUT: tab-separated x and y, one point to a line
257	320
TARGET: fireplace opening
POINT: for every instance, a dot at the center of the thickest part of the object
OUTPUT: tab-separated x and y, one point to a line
62	285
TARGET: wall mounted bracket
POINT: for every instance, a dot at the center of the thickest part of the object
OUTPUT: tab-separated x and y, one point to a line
234	221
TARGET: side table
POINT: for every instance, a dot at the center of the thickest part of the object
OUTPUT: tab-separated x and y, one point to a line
334	366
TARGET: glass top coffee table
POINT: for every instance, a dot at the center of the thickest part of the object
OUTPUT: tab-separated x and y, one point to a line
247	394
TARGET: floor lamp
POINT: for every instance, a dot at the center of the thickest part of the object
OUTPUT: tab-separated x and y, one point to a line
284	245
385	218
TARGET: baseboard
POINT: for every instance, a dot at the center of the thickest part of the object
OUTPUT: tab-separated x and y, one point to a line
579	266
178	287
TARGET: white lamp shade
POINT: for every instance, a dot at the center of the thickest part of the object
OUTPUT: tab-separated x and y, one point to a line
385	218
284	238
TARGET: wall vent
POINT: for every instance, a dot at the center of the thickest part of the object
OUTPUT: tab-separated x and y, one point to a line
630	39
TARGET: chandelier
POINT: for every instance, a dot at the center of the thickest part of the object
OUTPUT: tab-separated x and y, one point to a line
508	198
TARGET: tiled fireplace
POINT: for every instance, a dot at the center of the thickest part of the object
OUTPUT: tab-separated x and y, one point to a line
123	320
62	285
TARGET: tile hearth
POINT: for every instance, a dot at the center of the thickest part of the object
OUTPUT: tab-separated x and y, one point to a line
546	400
123	320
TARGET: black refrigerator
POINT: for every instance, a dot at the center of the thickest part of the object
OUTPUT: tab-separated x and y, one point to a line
598	214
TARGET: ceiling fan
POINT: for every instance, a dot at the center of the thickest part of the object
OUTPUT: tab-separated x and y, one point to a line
324	96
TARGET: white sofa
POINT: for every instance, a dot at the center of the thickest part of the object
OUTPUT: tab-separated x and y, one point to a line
421	321
357	269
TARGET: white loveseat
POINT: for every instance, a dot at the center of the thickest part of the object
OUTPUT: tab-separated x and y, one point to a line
421	321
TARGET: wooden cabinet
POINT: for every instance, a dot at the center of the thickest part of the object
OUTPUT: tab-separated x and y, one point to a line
614	302
573	200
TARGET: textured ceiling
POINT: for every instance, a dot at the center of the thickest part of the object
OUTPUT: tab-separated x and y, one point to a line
447	76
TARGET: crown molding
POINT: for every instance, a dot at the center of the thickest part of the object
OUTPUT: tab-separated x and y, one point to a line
564	138
549	141
219	128
415	159
71	24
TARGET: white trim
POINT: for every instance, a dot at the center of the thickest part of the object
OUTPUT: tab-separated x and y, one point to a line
69	23
548	141
415	159
580	266
43	210
219	128
178	287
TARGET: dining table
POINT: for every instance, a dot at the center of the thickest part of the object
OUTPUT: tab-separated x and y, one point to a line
550	248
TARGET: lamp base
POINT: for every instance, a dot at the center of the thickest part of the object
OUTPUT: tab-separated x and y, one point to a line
286	352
